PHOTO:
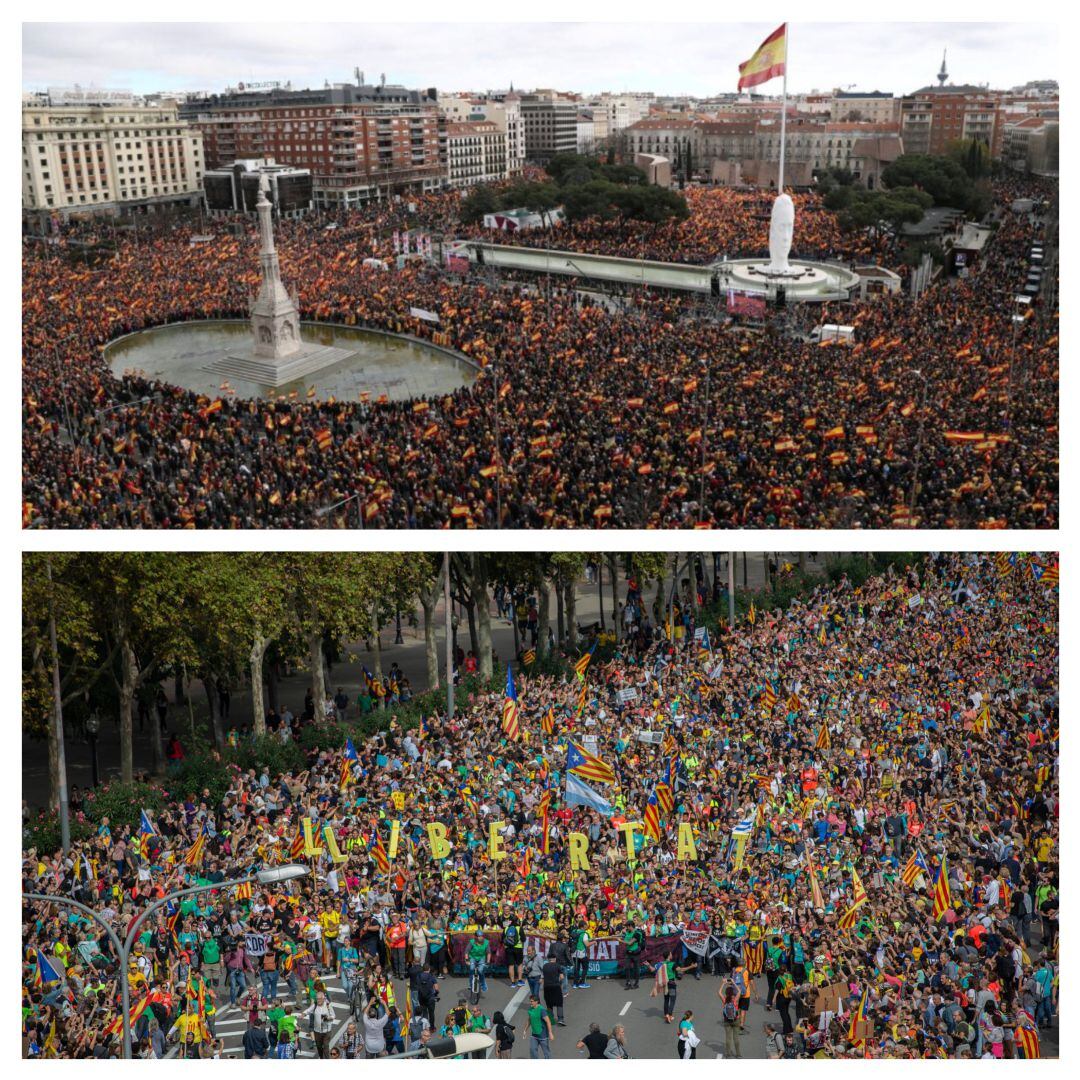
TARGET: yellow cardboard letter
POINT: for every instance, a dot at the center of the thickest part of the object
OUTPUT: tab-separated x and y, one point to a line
495	841
579	851
310	847
440	846
687	848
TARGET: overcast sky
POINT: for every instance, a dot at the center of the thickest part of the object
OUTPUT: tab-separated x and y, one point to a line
668	58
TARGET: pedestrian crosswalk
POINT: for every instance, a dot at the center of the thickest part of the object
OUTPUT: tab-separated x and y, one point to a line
231	1022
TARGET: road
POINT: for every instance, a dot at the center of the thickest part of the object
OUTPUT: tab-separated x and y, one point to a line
606	1003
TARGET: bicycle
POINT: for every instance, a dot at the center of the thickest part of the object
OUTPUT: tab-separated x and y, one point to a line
475	981
358	999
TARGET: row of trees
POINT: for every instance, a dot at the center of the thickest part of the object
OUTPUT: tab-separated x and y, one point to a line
912	185
585	187
124	622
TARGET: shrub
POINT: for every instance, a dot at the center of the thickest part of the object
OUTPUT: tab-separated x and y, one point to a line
121	803
278	757
43	832
199	771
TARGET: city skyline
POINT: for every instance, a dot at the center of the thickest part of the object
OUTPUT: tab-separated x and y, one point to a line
891	57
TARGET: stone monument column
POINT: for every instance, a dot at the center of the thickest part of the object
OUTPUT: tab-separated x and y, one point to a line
275	319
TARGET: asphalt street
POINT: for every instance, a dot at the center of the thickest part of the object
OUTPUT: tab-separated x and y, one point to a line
607	1003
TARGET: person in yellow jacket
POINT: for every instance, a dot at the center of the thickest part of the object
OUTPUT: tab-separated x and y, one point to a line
189	1026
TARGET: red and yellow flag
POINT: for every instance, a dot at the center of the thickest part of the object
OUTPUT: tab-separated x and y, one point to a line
768	62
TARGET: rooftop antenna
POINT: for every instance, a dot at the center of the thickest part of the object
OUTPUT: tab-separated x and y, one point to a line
359	76
382	79
942	75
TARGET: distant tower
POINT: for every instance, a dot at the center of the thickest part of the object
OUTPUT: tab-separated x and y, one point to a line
275	320
942	75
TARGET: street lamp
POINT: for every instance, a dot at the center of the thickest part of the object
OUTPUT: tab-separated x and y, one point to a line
93	726
270	876
326	511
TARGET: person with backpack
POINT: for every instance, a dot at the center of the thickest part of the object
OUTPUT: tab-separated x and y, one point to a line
395	1043
634	940
322	1016
580	955
533	969
1045	980
427	994
740	977
785	989
730	1017
504	1036
513	944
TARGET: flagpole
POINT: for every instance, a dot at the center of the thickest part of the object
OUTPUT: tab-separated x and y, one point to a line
783	119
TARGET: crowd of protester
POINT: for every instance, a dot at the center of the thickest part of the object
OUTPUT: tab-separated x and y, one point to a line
655	415
904	731
722	221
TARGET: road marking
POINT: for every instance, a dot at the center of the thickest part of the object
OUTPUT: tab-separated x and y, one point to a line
511	1008
625	1009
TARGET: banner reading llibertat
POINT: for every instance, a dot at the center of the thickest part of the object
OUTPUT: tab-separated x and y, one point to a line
607	953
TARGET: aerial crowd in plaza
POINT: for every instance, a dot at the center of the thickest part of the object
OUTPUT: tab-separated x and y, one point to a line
851	816
601	413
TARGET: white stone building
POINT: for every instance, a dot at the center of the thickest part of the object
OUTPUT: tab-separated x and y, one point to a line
107	157
475	153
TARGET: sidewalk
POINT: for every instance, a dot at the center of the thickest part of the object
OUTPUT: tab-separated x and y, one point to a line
348	673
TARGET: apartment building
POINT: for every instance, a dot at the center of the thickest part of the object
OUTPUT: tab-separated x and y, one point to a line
475	153
360	142
935	117
858	106
107	156
550	121
504	113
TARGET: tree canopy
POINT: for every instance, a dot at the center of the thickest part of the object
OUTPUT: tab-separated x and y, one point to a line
585	187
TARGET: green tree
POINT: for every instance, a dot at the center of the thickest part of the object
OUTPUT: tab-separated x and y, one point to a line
48	593
480	200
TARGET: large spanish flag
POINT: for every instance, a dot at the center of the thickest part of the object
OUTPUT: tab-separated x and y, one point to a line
768	62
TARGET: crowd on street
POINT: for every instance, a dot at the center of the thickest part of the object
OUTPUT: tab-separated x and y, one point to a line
851	818
653	416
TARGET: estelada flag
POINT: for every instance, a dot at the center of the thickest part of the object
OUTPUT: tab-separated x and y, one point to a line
768	62
382	863
510	725
296	850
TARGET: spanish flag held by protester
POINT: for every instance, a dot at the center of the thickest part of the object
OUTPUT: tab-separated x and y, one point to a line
768	62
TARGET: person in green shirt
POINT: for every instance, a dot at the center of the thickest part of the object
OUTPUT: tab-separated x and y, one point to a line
540	1034
286	1024
274	1014
212	961
477	956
